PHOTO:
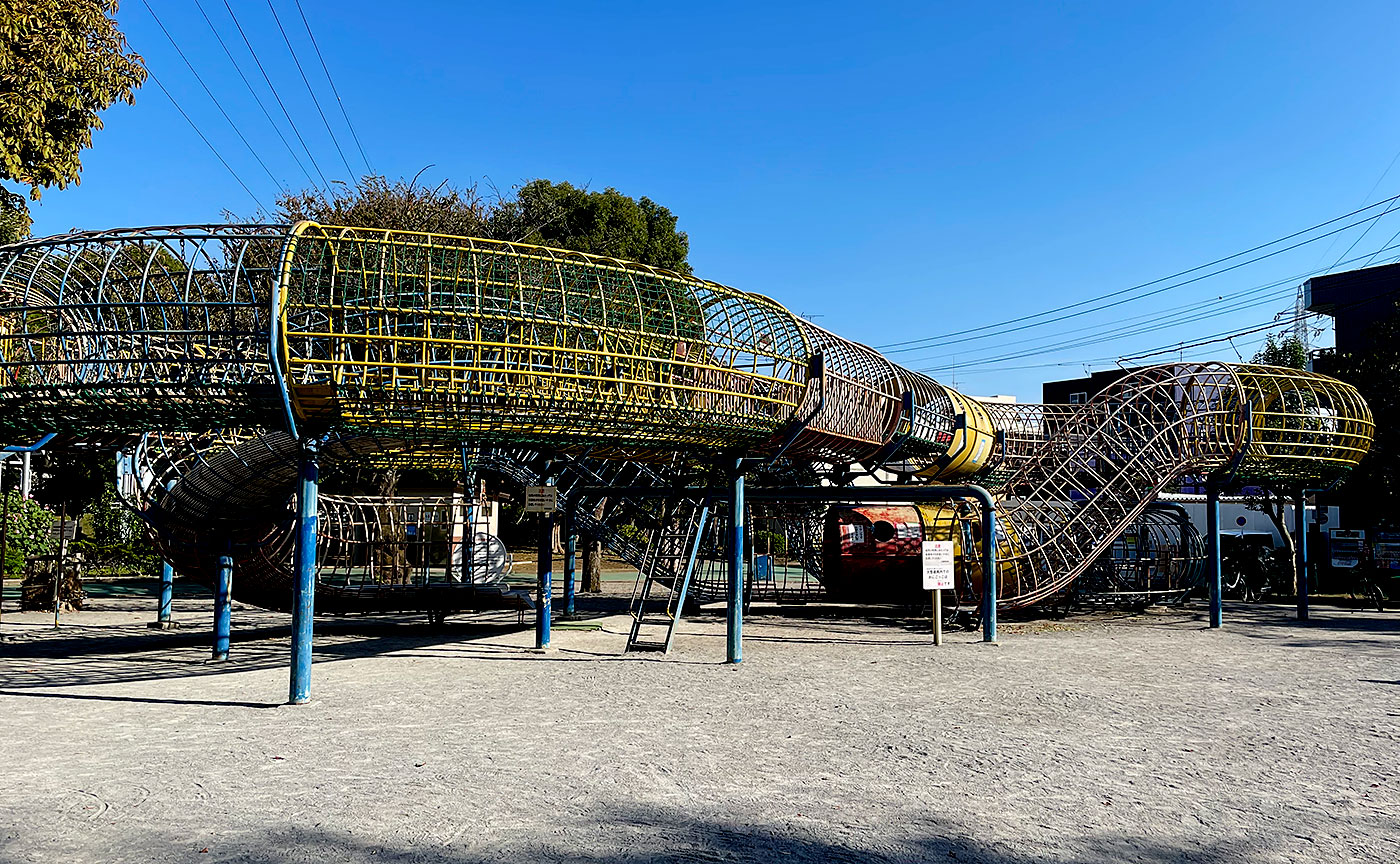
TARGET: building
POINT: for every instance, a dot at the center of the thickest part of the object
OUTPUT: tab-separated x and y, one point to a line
1355	300
1077	391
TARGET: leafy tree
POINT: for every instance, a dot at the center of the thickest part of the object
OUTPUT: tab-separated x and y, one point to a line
1283	350
14	218
542	212
1279	350
399	205
601	223
62	62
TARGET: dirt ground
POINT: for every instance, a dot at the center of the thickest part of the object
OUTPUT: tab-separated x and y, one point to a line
842	737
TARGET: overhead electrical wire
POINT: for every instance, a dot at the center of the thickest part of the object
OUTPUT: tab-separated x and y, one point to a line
1151	293
210	94
331	81
256	98
1213	306
207	142
931	341
1166	324
325	184
350	172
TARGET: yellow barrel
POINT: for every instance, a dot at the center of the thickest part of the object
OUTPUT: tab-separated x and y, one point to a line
974	441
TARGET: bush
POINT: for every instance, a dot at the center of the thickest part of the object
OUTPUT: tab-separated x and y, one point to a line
28	532
769	543
633	533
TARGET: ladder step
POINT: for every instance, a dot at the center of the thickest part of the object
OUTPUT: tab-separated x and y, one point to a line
639	645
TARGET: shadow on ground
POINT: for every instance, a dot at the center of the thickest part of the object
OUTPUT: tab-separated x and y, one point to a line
672	837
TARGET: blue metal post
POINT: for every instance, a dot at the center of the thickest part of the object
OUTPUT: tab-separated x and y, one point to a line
1213	549
167	592
735	629
570	562
989	573
223	603
1300	534
545	578
304	582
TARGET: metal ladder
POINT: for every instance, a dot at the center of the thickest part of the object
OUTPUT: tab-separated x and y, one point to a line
665	574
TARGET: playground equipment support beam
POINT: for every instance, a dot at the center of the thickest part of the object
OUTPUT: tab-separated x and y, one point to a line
167	593
1213	549
1300	531
304	584
734	629
544	588
223	603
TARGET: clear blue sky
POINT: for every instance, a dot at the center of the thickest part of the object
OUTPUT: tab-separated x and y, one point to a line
902	170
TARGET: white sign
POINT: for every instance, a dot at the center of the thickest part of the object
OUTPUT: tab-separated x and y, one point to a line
541	499
938	565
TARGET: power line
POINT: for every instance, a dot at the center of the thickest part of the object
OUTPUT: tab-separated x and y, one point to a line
895	347
256	98
1156	315
207	143
1134	330
325	184
1219	337
331	81
1152	293
350	172
210	93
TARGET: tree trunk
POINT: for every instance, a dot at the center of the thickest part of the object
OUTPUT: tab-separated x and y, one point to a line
592	565
1276	506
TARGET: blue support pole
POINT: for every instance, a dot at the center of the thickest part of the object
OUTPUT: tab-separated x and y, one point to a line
570	562
223	603
1213	549
1300	533
167	593
735	630
304	579
545	578
989	573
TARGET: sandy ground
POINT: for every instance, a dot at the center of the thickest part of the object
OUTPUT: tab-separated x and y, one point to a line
1113	739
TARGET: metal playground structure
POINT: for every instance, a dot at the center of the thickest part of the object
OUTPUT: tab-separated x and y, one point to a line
248	362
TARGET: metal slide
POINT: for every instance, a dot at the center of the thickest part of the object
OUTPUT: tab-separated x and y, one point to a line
238	343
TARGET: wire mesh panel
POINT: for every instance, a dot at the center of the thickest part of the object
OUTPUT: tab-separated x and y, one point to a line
404	349
1109	460
429	337
138	329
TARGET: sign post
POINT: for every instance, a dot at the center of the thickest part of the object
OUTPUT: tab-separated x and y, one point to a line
938	576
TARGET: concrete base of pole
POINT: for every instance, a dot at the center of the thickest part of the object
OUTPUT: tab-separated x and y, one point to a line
163	625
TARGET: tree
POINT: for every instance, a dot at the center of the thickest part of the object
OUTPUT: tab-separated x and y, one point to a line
1282	350
600	223
62	62
400	205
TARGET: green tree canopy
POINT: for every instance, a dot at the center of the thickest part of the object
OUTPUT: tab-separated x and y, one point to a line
62	62
602	223
542	212
399	205
1283	350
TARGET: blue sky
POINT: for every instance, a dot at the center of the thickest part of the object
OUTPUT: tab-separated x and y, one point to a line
900	170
